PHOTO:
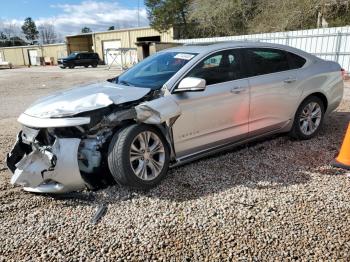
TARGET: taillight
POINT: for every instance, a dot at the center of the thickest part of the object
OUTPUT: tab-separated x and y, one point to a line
343	73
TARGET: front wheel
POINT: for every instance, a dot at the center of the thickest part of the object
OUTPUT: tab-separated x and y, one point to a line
308	118
138	156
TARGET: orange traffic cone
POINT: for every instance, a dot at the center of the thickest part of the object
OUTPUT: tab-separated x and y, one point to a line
343	159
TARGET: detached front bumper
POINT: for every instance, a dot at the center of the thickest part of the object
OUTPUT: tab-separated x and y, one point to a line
46	169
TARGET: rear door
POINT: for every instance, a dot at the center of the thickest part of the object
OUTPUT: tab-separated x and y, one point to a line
85	59
274	88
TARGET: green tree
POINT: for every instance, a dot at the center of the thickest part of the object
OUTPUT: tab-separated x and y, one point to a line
222	17
29	30
336	13
2	36
284	15
165	14
111	28
86	30
12	41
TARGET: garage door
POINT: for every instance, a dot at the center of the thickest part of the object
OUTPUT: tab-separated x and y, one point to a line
33	57
112	57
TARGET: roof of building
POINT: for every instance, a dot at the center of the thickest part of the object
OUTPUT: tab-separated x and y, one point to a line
111	31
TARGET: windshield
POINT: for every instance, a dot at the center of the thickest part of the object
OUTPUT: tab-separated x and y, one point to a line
156	70
72	55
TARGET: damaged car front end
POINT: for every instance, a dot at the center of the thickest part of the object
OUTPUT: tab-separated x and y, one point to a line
63	154
71	155
45	163
65	138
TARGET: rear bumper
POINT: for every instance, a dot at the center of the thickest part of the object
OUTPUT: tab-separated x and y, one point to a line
49	169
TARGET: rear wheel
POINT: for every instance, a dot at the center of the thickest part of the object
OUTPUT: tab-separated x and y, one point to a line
308	119
94	65
71	66
138	156
86	66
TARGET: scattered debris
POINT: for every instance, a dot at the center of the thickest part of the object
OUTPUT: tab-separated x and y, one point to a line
100	212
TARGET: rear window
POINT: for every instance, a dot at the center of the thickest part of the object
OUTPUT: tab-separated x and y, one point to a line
296	61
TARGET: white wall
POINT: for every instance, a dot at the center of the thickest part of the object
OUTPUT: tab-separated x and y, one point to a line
327	43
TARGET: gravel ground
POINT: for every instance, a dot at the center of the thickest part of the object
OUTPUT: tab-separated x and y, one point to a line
275	199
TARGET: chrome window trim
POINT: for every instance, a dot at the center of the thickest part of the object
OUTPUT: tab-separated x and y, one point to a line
307	63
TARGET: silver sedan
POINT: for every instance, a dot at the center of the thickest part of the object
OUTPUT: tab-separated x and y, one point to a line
175	106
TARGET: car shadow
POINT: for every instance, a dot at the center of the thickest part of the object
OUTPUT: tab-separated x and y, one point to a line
272	163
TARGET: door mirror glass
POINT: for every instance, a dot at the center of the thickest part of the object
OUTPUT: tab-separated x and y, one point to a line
191	84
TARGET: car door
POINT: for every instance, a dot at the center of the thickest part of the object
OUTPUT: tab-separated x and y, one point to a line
85	59
217	115
274	89
78	59
89	57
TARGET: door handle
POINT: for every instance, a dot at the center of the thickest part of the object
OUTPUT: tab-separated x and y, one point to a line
290	80
237	89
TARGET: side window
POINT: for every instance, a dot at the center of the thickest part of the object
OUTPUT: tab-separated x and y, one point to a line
295	61
220	67
266	61
213	61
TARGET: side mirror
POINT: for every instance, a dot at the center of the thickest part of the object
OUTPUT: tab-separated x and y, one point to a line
191	84
113	80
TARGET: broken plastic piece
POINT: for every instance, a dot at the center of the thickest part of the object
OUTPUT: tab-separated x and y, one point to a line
157	111
100	212
55	170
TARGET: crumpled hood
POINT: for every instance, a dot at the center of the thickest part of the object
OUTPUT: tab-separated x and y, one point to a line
83	99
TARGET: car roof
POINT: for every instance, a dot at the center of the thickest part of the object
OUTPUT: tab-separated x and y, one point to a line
204	48
82	52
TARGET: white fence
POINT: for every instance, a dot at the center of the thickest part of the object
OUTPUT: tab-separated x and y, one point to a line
327	43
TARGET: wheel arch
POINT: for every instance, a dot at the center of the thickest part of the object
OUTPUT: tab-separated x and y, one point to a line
320	96
162	128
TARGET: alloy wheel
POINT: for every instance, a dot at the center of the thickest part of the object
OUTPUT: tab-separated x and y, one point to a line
310	118
147	155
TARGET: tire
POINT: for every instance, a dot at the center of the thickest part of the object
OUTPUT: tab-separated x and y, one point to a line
86	66
71	66
63	67
302	128
94	65
138	173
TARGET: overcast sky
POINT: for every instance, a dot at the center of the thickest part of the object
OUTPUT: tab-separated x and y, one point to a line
69	16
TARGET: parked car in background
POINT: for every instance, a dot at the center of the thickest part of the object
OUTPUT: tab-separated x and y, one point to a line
79	59
173	107
4	64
